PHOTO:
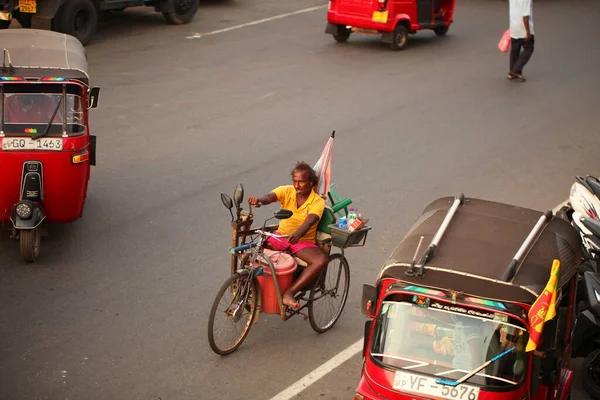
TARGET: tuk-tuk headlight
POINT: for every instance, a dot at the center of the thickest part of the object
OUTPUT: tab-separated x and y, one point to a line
23	210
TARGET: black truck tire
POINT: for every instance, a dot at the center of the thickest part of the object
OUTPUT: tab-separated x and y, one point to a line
77	18
183	11
23	18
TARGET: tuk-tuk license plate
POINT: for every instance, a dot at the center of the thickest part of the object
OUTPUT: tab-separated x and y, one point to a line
421	384
30	144
28	6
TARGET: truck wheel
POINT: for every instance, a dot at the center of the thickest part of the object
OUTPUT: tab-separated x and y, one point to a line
399	38
77	18
23	18
183	11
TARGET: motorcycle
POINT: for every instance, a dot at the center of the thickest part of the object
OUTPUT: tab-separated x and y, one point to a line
583	211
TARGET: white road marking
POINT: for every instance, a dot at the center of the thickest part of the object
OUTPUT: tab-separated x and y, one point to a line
320	372
337	360
260	21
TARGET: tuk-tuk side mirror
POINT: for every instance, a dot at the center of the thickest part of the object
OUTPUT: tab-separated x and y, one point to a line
369	300
93	97
283	214
238	195
227	202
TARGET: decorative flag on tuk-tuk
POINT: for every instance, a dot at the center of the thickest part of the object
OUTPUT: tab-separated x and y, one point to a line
323	167
543	309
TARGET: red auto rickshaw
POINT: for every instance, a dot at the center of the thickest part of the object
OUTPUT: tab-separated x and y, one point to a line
485	312
45	144
392	19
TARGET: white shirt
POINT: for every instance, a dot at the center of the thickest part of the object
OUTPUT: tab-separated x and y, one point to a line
517	9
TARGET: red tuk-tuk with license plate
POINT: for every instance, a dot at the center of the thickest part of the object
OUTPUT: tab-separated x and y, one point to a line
45	144
485	312
392	19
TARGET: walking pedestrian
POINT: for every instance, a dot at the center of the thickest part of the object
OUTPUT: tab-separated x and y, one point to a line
521	36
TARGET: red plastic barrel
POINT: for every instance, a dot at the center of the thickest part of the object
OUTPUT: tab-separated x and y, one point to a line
285	265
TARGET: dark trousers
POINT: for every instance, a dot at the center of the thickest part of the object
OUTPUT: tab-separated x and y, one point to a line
519	58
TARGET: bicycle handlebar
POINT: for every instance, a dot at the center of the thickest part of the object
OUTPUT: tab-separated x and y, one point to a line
250	245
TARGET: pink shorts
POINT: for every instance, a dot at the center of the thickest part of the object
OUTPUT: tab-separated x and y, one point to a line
283	244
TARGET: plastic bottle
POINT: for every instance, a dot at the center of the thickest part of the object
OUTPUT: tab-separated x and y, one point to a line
343	223
351	216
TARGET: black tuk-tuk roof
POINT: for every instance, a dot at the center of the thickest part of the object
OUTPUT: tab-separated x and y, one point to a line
478	245
40	53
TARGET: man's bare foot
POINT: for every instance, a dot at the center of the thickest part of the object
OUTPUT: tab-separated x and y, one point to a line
289	301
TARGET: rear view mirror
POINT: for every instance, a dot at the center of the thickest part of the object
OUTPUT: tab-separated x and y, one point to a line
227	202
283	214
238	195
93	97
369	300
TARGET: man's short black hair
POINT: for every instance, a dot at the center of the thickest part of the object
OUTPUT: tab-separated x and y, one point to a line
302	166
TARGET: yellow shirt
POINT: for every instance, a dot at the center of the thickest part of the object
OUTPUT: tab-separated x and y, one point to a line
286	195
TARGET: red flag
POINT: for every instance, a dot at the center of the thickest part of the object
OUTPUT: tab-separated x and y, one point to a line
543	309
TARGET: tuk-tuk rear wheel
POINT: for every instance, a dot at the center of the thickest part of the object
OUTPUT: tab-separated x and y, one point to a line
4	24
441	31
183	11
399	38
342	34
29	241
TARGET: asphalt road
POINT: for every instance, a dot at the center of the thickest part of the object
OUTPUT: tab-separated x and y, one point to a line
117	306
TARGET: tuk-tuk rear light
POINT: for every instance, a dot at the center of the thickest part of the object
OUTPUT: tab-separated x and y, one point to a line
52	79
79	158
11	78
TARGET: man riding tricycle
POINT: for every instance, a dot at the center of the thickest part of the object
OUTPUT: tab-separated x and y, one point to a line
283	269
45	144
477	302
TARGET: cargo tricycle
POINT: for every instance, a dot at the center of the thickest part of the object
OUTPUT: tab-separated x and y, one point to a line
45	144
477	302
392	19
260	276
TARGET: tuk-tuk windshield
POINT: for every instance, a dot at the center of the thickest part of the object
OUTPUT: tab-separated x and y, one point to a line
28	112
449	345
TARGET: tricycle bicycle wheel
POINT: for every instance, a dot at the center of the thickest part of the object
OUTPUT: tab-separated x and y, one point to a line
232	313
329	293
29	241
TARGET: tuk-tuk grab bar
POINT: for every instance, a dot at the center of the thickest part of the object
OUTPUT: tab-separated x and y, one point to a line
511	270
429	252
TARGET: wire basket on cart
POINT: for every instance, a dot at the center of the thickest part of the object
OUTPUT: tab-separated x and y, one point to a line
344	238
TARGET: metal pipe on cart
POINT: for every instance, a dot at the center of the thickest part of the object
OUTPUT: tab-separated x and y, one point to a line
511	270
428	255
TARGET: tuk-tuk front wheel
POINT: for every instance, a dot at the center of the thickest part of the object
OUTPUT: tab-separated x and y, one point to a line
399	38
591	374
183	11
29	240
342	35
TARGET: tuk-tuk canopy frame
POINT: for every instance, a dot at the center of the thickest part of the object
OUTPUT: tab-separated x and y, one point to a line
480	243
33	53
